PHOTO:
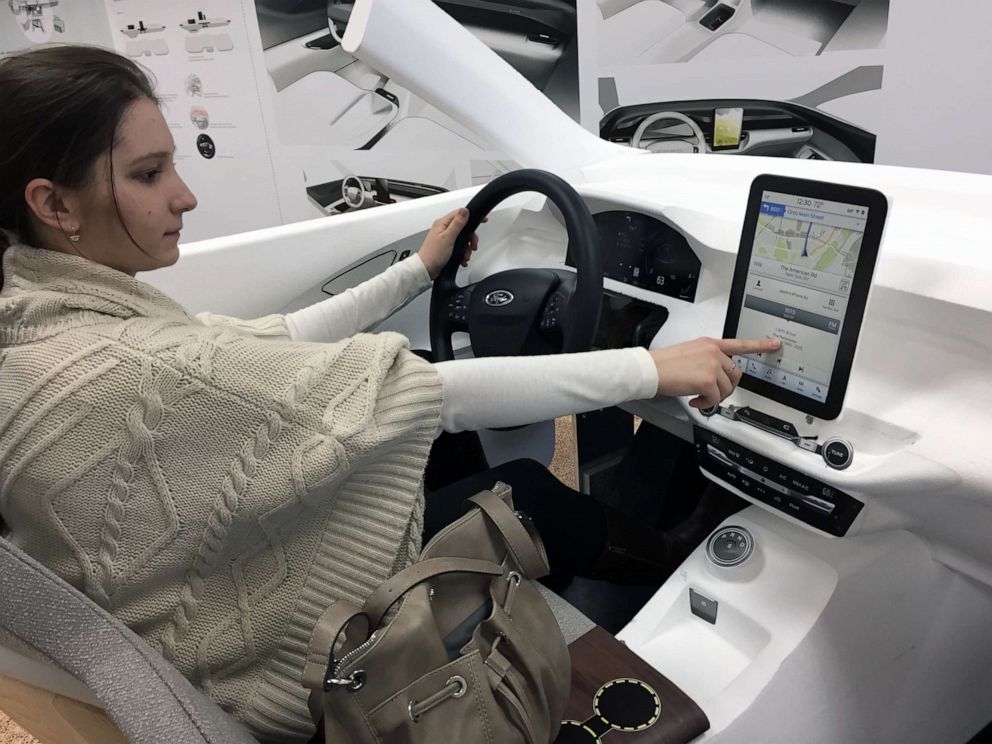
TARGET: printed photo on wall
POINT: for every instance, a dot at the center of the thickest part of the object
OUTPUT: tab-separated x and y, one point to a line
28	23
325	96
338	181
632	32
811	125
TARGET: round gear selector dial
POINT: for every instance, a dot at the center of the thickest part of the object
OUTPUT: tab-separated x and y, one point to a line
730	546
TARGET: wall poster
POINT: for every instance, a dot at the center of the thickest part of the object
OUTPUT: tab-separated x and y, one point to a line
275	123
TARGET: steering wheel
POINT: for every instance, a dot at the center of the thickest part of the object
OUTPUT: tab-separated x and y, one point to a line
522	311
671	144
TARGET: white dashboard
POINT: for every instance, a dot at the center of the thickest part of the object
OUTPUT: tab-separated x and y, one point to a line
919	388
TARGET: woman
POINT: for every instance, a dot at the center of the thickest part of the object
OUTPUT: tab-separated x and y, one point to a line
216	482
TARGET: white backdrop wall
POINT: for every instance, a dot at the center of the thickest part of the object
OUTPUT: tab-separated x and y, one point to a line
269	130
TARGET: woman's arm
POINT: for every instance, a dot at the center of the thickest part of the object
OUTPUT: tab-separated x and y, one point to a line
360	307
510	391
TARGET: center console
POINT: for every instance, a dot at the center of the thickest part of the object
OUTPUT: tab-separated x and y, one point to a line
803	275
806	498
756	592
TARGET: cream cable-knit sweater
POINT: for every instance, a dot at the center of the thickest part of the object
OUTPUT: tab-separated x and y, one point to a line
212	483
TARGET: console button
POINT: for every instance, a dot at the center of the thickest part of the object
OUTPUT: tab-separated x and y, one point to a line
730	546
702	607
772	483
819	504
838	453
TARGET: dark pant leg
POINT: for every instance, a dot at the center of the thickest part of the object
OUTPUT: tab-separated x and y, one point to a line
572	524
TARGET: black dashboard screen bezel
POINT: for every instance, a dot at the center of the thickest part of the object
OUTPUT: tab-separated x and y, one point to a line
877	206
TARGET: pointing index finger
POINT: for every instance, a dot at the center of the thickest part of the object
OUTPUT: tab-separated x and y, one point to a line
731	346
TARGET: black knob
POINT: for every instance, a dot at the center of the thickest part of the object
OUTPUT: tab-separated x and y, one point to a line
730	546
707	412
838	453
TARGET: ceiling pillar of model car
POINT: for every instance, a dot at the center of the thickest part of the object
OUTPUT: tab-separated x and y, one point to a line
533	131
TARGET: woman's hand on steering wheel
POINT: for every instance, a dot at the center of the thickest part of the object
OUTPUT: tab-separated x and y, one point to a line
440	241
704	367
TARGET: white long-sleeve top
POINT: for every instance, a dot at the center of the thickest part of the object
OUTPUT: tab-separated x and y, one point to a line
491	391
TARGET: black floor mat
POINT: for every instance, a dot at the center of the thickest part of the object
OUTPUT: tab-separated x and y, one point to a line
982	737
658	481
608	605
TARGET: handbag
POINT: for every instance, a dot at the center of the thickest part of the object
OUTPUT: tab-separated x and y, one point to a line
460	647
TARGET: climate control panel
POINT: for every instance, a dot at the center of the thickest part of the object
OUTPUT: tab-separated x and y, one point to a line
801	496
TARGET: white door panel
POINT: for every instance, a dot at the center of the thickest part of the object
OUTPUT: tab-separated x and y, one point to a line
264	271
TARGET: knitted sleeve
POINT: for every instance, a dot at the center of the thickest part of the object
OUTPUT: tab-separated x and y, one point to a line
268	326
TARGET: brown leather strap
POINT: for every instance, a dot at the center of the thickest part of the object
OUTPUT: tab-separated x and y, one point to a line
527	553
399	584
325	633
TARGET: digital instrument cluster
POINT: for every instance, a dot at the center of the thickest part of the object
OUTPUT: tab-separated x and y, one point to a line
645	252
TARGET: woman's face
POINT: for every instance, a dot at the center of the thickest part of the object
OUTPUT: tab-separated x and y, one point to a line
150	195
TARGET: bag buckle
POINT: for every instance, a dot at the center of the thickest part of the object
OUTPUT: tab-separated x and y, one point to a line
353	682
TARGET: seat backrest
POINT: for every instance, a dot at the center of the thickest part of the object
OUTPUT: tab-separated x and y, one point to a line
148	699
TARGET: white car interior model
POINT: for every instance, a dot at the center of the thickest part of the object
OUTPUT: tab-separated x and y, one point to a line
851	601
738	127
660	31
327	96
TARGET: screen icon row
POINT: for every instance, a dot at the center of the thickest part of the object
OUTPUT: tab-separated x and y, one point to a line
783	378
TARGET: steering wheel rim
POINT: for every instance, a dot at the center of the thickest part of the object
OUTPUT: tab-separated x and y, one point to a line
635	140
581	308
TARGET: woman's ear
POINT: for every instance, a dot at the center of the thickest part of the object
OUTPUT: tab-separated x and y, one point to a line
51	206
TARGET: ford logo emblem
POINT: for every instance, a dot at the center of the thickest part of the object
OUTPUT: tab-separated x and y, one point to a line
499	297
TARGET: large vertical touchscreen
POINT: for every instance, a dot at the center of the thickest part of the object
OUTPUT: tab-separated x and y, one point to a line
807	256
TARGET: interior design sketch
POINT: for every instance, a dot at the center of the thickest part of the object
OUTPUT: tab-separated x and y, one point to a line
199	117
36	18
140	45
201	22
363	192
660	31
197	43
133	31
769	128
194	86
326	96
209	43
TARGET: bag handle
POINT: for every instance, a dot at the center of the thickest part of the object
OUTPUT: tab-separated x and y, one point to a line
320	651
527	552
391	590
333	621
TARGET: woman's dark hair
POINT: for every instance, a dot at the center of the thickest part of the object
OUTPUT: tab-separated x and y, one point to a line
61	109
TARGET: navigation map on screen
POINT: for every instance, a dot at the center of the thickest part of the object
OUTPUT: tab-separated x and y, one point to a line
802	265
